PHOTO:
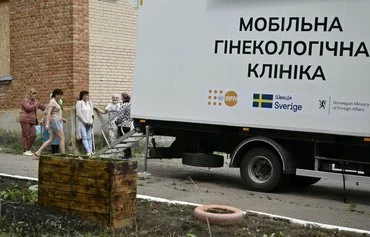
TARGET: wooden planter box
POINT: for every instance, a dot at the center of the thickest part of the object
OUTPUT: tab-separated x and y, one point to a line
98	190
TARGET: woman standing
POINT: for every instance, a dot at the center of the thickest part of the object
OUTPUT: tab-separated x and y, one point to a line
84	121
124	121
28	120
53	123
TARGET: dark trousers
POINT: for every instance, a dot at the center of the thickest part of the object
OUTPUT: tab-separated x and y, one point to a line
54	149
126	153
28	135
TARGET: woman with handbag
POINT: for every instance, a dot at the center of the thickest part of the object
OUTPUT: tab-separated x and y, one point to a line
28	120
53	123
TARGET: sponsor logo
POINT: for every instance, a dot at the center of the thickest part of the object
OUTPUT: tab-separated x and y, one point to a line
322	104
220	98
263	100
350	106
275	102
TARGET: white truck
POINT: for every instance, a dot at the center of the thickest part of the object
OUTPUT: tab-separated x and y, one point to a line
281	86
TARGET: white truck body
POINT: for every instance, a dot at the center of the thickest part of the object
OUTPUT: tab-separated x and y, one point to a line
319	82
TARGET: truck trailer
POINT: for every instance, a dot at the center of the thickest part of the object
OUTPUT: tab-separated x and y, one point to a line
280	86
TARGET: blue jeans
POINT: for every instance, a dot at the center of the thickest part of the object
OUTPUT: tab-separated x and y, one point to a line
86	134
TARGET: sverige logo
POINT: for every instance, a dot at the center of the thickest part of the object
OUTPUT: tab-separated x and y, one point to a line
263	100
276	102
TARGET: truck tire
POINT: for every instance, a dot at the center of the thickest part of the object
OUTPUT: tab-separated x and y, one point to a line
202	160
261	170
219	214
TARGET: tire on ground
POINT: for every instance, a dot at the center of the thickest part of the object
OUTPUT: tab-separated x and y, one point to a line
232	215
202	160
261	170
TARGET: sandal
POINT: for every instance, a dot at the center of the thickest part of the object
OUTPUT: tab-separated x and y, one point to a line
36	156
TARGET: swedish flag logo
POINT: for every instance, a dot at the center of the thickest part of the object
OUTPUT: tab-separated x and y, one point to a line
263	100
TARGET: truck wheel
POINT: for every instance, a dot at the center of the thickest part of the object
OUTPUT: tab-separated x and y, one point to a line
202	160
261	170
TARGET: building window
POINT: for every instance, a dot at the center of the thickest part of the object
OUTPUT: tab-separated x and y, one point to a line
4	40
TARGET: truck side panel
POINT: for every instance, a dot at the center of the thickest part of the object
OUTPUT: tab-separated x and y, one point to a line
282	65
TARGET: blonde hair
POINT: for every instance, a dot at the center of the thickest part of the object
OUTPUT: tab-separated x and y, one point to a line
30	92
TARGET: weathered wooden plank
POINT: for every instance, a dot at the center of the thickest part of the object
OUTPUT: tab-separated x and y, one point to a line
87	189
73	179
72	205
89	173
120	183
123	201
125	190
124	167
77	163
98	200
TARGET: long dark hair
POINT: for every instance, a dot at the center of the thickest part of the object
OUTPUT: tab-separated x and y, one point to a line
82	93
56	92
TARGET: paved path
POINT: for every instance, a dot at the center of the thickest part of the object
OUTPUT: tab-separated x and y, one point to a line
170	179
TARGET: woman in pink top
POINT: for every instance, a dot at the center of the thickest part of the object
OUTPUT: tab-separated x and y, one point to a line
53	123
28	119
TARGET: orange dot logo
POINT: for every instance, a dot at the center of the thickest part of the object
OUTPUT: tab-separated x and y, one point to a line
231	98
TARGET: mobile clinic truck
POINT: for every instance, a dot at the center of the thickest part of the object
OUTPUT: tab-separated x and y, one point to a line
283	87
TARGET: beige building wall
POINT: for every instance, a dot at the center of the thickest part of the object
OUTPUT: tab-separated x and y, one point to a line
112	36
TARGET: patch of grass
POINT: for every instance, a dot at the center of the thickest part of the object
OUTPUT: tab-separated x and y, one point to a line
10	142
352	207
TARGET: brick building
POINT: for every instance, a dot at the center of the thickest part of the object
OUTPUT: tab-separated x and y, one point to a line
68	44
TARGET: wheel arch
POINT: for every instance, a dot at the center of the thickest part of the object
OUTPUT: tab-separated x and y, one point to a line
287	161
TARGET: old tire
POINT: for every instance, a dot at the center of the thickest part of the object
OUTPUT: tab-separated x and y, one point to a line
230	216
261	170
202	160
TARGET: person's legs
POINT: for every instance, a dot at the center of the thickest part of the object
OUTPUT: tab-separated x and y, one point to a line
112	129
54	149
62	148
127	152
45	144
119	131
55	145
25	127
32	135
84	135
89	137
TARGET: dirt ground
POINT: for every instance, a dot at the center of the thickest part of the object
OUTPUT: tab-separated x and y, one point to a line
20	215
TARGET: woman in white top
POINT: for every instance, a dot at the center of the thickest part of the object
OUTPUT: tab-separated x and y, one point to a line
84	121
53	123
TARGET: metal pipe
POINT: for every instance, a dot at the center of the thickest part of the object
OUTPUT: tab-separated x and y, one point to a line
146	147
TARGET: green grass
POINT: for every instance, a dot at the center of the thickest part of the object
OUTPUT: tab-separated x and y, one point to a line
10	142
